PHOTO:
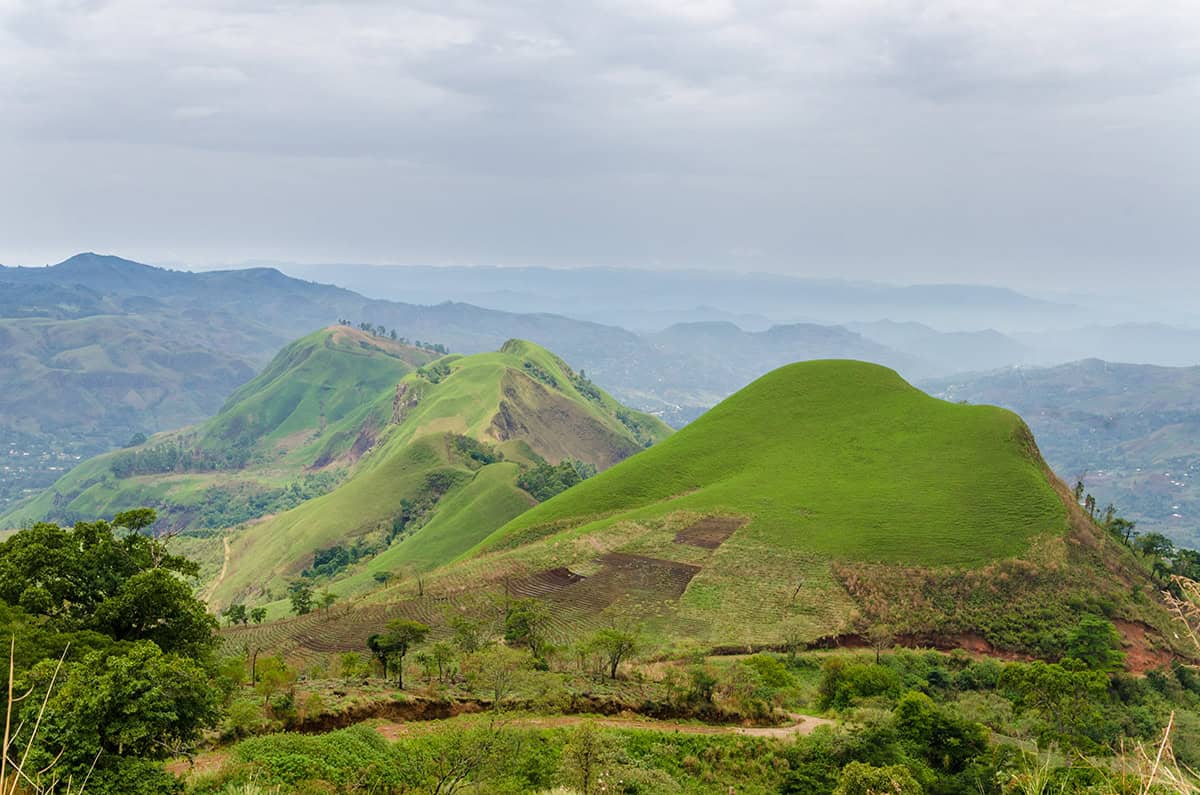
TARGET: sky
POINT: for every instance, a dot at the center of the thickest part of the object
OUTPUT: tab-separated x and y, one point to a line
1010	142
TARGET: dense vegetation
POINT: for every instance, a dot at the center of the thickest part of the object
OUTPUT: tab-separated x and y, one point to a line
115	652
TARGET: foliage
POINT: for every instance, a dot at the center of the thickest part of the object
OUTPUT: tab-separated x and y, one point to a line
1096	643
544	481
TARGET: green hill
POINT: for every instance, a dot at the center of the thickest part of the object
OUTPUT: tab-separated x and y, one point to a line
441	473
280	437
824	499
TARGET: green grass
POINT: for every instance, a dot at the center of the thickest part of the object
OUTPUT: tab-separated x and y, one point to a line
840	459
546	420
307	407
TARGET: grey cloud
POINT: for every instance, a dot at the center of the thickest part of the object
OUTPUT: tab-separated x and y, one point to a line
874	138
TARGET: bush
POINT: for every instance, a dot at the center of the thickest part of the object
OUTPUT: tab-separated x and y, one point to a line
843	682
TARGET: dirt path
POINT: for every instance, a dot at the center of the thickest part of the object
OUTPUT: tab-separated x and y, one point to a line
802	725
211	588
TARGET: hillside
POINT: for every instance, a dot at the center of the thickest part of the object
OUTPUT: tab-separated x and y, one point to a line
1132	432
279	437
440	474
824	499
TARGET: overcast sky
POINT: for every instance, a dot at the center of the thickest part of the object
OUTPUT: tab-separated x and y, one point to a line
999	141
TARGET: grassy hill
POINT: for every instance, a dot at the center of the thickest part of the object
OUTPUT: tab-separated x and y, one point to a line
1132	432
310	413
824	499
440	475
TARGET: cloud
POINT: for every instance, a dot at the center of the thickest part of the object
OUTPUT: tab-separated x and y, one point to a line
951	129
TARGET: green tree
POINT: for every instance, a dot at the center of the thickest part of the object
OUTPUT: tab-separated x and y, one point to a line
498	670
394	644
258	615
301	596
66	573
859	778
156	605
1096	643
235	614
117	706
468	634
525	622
588	752
615	645
1066	697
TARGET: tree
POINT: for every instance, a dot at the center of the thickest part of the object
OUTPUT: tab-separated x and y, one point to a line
258	615
326	601
156	605
467	634
1154	545
587	753
65	573
1122	529
524	624
499	671
615	645
394	644
443	658
1089	504
859	778
880	636
1079	488
235	614
1096	643
118	706
301	595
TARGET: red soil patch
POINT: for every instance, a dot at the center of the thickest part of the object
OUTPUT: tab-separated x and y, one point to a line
710	532
621	574
1141	655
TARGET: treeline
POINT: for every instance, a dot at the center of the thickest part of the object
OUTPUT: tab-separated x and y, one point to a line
544	480
383	331
227	506
178	456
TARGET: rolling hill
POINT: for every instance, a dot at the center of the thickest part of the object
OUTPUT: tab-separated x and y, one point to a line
279	437
1131	432
438	474
825	498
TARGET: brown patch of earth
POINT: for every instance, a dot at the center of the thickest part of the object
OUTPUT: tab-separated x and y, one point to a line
199	765
709	532
1141	655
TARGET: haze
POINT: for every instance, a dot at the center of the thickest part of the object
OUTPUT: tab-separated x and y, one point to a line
1033	144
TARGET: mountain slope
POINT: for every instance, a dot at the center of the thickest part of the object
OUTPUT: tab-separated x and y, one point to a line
1131	432
823	498
442	473
852	460
315	407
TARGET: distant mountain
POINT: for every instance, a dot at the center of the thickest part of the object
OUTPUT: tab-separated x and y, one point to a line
1132	432
948	352
635	298
1143	343
101	348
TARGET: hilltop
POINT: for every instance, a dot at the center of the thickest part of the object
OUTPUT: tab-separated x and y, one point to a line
822	500
438	473
279	437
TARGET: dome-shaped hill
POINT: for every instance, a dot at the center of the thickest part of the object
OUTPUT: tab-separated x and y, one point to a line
825	498
840	458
